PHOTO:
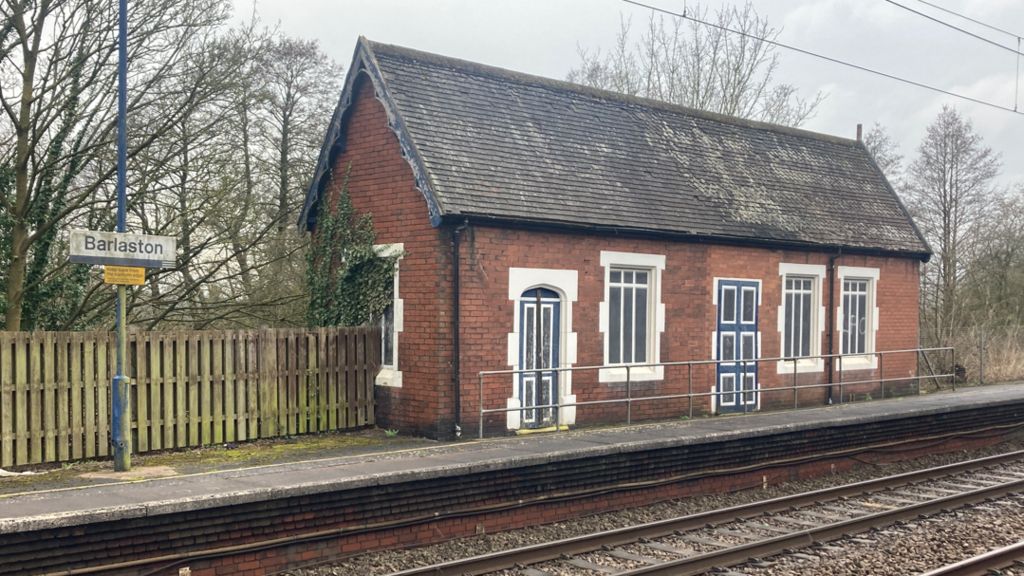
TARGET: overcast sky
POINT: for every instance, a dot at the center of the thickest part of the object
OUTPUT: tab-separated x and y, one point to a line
541	37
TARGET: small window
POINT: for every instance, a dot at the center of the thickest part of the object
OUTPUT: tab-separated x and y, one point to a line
749	386
729	305
390	322
855	316
728	347
749	304
748	348
629	316
798	302
728	387
387	337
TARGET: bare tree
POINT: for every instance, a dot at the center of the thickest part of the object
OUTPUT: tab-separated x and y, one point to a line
222	137
688	63
300	88
59	118
301	85
950	193
993	287
886	153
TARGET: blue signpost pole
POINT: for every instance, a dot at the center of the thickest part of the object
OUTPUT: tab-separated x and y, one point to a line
120	415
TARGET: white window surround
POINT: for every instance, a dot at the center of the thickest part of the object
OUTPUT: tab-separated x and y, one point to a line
816	271
566	284
860	361
391	375
656	264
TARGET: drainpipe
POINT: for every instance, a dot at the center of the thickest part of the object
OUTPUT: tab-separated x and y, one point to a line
830	317
456	351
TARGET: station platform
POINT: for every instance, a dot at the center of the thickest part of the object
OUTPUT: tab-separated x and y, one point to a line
325	507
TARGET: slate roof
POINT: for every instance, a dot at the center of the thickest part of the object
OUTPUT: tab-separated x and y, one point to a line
488	143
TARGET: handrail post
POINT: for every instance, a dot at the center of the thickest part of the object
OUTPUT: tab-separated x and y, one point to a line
558	401
952	354
743	384
981	357
917	370
629	396
689	388
796	400
480	376
840	378
881	372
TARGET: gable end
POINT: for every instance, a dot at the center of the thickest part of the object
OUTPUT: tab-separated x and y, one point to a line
363	62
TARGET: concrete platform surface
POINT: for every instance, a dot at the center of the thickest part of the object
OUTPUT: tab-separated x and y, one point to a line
140	497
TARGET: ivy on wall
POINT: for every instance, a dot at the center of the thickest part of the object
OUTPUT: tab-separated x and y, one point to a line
349	283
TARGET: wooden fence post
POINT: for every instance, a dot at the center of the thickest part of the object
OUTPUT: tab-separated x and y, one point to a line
35	395
194	391
89	390
6	401
104	378
267	401
63	383
252	406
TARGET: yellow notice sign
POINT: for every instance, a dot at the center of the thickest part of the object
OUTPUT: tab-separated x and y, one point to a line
124	275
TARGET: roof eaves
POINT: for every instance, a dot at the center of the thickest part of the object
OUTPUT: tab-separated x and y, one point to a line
906	213
333	132
568	226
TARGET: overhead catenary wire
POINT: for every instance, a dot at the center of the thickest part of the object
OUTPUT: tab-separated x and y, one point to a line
955	27
969	19
830	59
1016	78
1016	84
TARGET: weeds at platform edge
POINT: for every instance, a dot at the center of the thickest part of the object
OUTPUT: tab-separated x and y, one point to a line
211	458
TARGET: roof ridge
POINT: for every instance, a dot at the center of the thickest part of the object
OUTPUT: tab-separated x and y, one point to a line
599	93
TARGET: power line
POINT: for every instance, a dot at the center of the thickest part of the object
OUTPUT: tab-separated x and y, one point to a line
954	27
1016	84
968	18
829	58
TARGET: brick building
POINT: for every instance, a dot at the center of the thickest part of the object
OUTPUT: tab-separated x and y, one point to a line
543	224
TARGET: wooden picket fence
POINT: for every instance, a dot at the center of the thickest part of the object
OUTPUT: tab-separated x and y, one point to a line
187	388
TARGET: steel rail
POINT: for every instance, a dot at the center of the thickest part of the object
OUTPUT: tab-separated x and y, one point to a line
533	554
742	553
983	564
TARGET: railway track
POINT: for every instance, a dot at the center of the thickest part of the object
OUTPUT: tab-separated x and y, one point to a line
719	538
992	562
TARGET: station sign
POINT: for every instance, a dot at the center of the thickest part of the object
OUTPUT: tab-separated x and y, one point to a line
126	275
121	249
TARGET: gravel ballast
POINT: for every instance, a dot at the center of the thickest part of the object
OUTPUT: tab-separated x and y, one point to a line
387	561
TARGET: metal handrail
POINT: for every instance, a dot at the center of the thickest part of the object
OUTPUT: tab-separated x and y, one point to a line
740	392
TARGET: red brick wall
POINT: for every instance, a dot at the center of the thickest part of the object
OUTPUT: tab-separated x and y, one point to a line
382	184
687	286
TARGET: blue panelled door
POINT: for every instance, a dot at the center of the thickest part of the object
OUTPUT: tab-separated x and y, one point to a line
737	341
539	317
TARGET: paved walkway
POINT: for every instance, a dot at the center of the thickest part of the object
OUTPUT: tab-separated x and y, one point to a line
150	496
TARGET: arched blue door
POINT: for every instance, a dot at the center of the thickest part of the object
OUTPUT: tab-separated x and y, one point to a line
737	341
539	329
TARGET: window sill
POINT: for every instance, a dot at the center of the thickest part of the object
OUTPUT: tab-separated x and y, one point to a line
637	374
858	362
389	377
803	365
